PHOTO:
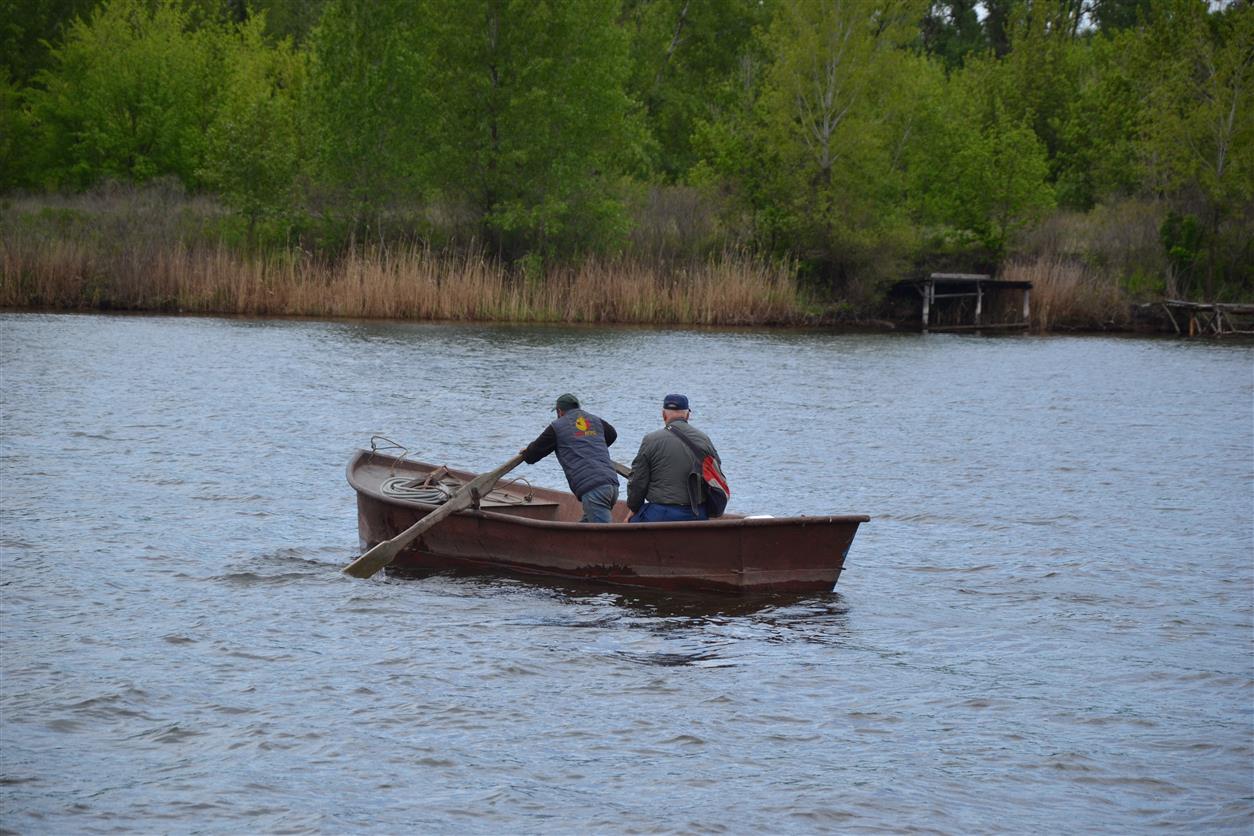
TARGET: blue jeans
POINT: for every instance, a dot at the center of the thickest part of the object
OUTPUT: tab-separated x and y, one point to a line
657	512
598	503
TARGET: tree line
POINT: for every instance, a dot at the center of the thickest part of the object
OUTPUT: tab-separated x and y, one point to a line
858	138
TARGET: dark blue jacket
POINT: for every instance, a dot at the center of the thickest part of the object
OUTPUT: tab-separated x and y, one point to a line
582	442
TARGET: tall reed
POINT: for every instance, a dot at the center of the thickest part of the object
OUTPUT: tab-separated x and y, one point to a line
1067	294
409	282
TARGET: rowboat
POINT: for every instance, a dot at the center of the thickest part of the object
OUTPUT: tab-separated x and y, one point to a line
521	529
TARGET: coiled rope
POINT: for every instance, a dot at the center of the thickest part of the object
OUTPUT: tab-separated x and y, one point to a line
406	487
437	493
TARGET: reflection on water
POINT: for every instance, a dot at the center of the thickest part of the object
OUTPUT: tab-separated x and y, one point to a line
1046	626
639	601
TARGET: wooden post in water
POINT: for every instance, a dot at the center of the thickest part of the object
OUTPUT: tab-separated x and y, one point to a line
927	301
1026	322
979	302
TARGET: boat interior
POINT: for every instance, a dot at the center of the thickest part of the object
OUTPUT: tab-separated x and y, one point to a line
404	480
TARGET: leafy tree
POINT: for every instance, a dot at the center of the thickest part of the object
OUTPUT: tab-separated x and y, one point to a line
17	143
823	113
1038	79
951	30
1001	185
1114	15
369	87
734	158
682	54
533	123
979	170
1097	152
255	144
998	15
129	95
293	19
29	29
1199	146
1182	240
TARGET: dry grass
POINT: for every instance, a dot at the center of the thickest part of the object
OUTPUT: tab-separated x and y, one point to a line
1066	294
153	247
1119	240
410	283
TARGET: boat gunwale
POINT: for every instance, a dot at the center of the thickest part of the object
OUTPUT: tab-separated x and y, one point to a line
587	528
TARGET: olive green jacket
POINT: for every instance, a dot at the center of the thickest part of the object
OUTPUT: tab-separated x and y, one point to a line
659	473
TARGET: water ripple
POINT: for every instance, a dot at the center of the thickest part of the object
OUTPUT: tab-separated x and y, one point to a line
1046	627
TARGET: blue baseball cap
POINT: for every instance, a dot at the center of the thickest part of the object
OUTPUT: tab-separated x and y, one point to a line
675	402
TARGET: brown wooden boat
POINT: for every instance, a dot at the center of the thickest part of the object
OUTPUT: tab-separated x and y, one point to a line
535	531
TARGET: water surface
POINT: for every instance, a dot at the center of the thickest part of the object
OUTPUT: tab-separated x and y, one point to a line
1048	624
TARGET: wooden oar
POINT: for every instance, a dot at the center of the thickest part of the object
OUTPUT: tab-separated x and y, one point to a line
622	469
384	553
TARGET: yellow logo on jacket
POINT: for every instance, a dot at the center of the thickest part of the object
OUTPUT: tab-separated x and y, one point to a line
581	427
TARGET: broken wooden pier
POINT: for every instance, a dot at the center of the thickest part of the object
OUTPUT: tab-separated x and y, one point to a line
960	301
1209	319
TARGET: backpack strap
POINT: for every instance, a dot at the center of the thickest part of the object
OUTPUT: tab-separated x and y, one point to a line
695	450
695	487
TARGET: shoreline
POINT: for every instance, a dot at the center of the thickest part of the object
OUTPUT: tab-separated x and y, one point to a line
859	327
149	251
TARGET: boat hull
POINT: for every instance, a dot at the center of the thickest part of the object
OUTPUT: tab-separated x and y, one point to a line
540	536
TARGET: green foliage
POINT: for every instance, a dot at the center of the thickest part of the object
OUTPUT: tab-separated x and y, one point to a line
951	31
1200	87
985	175
255	145
1198	149
17	140
533	120
997	24
1097	158
288	19
855	138
1115	15
682	55
370	106
1036	82
1144	286
29	27
1182	238
732	156
129	95
827	111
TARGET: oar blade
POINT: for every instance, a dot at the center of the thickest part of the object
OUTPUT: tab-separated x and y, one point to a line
380	555
384	553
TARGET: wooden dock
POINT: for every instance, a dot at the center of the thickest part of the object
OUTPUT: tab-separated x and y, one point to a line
954	293
1214	319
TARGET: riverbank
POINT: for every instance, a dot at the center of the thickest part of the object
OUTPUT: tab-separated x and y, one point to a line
152	250
149	250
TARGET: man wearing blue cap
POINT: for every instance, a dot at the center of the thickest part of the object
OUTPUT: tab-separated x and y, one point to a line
582	442
657	490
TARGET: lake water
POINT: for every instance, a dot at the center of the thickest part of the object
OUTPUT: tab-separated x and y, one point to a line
1047	626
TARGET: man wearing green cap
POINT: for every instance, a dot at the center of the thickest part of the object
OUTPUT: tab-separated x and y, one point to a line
582	441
